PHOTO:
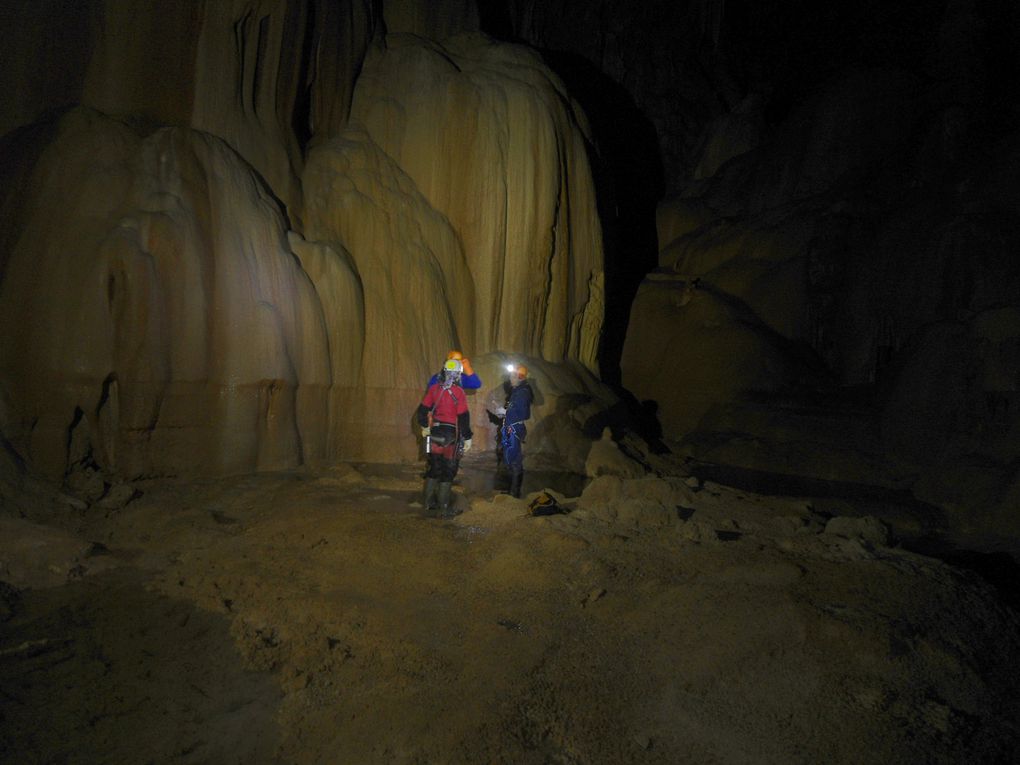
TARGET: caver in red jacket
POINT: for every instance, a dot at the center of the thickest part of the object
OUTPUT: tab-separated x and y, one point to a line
444	411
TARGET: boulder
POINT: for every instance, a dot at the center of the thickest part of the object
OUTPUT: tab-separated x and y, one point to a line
867	529
647	503
606	458
33	556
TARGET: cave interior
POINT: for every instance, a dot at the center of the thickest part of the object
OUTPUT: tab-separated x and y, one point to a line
761	263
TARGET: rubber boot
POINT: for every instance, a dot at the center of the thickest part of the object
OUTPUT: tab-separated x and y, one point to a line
515	484
431	489
445	508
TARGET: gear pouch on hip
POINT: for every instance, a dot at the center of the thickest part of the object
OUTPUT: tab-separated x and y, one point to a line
443	433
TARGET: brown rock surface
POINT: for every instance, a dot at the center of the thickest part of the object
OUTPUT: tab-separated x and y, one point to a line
733	631
164	315
492	140
175	300
238	69
692	347
840	301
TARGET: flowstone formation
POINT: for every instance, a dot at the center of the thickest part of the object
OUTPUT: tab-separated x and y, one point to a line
270	281
473	121
161	324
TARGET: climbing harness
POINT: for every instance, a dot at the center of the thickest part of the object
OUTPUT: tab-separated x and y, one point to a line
442	433
510	441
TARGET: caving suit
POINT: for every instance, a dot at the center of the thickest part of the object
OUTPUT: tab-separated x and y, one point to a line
444	411
514	431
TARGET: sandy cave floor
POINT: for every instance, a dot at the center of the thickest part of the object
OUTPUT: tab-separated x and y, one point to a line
318	617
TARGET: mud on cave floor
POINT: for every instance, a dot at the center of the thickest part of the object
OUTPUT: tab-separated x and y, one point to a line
318	617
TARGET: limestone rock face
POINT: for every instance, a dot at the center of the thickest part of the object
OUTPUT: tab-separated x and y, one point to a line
44	62
417	288
640	47
492	141
152	315
691	348
830	262
851	125
246	80
247	71
270	283
747	300
462	194
430	19
677	217
850	282
730	135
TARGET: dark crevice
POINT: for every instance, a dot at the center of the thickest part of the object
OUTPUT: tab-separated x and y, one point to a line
105	395
301	117
628	176
260	53
75	420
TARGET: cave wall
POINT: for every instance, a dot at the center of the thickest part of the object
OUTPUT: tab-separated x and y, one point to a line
247	233
870	242
877	211
160	315
837	208
833	258
263	76
500	128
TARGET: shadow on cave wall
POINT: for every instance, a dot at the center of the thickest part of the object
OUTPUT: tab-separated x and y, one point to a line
628	175
19	152
629	179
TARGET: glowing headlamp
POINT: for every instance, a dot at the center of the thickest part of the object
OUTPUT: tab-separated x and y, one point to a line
510	368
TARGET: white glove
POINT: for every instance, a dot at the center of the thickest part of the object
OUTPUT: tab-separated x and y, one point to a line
424	432
467	445
500	411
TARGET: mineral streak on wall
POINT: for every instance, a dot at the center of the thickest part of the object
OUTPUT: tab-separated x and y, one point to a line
244	237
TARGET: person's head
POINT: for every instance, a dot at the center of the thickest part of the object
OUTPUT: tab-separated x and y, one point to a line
455	355
517	373
452	370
